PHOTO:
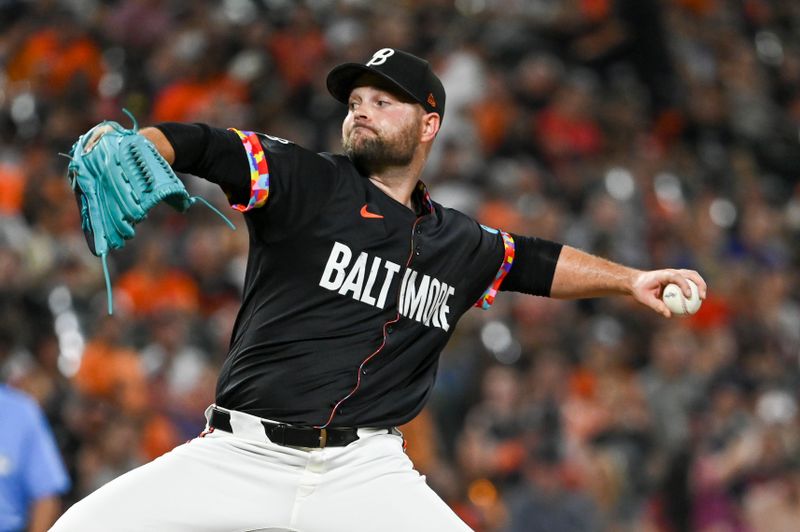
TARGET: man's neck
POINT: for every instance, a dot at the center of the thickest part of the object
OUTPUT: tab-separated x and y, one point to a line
399	182
398	186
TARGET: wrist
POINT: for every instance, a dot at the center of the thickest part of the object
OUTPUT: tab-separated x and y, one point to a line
160	141
633	280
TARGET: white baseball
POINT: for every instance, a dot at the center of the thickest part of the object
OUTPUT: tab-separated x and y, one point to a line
677	303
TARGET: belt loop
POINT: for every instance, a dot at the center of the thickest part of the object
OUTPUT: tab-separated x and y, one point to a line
323	438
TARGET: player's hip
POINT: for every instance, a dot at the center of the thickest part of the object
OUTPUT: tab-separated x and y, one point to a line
295	444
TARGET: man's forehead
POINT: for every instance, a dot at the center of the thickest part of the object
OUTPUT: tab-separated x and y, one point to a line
374	81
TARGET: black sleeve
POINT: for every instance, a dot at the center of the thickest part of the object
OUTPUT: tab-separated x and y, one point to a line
211	153
276	182
534	266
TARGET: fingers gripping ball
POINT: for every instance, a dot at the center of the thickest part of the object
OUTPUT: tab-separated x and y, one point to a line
679	304
118	176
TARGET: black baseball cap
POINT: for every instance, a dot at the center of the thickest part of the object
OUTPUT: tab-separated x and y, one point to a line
408	73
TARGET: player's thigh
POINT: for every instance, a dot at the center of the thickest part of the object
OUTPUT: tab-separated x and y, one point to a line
206	484
403	502
381	492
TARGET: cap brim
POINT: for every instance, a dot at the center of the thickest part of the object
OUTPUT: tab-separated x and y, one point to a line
342	78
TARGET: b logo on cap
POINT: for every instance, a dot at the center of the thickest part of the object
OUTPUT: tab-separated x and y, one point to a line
380	56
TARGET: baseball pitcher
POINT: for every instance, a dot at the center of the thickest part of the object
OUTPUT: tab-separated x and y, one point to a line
356	278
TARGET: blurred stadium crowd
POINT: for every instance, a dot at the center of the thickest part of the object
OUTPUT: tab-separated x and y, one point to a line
658	133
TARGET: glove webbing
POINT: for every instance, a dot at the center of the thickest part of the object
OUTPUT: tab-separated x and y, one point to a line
104	255
120	182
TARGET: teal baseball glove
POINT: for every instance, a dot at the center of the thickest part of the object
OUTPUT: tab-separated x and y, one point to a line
117	176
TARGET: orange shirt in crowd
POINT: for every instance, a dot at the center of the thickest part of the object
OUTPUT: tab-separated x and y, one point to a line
501	213
493	119
186	98
158	436
50	57
148	293
298	57
113	373
12	189
568	136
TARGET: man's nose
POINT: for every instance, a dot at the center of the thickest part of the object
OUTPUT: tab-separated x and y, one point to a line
360	115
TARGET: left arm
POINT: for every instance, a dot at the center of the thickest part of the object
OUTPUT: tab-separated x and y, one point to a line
581	275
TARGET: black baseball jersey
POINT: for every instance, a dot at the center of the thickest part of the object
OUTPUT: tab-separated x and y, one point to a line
349	296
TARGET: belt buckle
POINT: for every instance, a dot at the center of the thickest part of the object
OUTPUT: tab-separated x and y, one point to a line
323	438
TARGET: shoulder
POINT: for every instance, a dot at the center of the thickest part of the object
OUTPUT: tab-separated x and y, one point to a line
449	214
25	407
278	148
273	145
12	397
342	167
338	160
457	219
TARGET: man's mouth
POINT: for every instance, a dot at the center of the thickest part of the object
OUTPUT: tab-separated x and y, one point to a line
357	127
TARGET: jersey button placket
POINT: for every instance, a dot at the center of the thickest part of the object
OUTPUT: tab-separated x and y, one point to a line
415	233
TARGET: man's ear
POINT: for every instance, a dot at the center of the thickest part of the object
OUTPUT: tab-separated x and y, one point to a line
430	126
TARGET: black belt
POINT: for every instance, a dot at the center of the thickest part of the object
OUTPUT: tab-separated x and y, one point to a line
291	435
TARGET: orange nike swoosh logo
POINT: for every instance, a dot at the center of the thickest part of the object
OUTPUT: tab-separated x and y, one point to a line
366	214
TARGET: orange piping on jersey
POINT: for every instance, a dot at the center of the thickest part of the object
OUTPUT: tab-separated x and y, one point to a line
380	347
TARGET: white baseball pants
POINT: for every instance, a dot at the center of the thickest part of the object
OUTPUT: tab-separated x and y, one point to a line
243	482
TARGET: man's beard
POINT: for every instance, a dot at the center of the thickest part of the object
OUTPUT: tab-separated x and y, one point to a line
375	153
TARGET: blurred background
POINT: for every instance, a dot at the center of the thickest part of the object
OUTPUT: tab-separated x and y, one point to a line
658	133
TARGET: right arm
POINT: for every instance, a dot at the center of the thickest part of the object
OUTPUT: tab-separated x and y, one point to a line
43	513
